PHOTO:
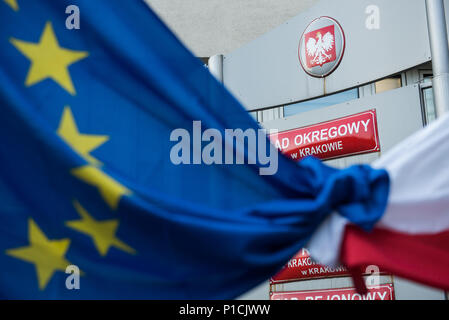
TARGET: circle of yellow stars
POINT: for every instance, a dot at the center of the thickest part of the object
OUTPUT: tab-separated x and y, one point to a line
51	61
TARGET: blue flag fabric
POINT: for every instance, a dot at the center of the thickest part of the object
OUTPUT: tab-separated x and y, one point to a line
86	177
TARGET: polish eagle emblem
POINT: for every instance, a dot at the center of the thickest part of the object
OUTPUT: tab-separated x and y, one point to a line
319	48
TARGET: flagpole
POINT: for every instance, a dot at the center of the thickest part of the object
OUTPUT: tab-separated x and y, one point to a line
216	66
436	21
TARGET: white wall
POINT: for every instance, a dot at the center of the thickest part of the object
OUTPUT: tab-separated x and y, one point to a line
210	27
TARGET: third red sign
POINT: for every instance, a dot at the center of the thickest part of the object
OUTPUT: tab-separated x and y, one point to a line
382	292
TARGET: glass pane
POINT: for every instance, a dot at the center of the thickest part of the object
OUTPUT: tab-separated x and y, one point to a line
321	102
427	78
388	84
429	105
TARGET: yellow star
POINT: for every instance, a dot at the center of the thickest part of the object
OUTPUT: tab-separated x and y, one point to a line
46	255
110	190
13	4
49	60
81	143
101	232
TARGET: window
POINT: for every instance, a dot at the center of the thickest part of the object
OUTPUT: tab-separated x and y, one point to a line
388	84
204	60
322	102
430	113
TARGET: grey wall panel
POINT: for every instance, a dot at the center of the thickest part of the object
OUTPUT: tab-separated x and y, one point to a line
267	72
407	290
319	284
261	292
354	160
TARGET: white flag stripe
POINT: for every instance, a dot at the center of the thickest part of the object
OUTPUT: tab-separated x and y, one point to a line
324	246
419	192
419	171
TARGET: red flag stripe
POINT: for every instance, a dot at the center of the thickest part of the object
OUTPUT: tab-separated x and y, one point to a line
422	258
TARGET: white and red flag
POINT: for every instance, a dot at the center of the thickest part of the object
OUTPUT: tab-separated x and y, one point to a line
412	237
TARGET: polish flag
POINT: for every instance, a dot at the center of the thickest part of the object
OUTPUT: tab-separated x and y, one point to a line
412	238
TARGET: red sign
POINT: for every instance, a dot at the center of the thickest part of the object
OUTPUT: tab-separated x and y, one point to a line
382	292
302	267
320	46
351	135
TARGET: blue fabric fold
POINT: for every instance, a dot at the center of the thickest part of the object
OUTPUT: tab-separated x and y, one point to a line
196	231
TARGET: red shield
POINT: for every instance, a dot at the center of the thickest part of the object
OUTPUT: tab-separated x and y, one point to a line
320	46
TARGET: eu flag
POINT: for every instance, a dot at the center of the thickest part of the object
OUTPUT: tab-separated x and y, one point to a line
86	178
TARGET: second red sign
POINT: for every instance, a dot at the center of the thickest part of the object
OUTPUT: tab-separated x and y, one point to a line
351	135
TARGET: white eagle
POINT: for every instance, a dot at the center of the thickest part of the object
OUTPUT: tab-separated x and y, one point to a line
317	48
